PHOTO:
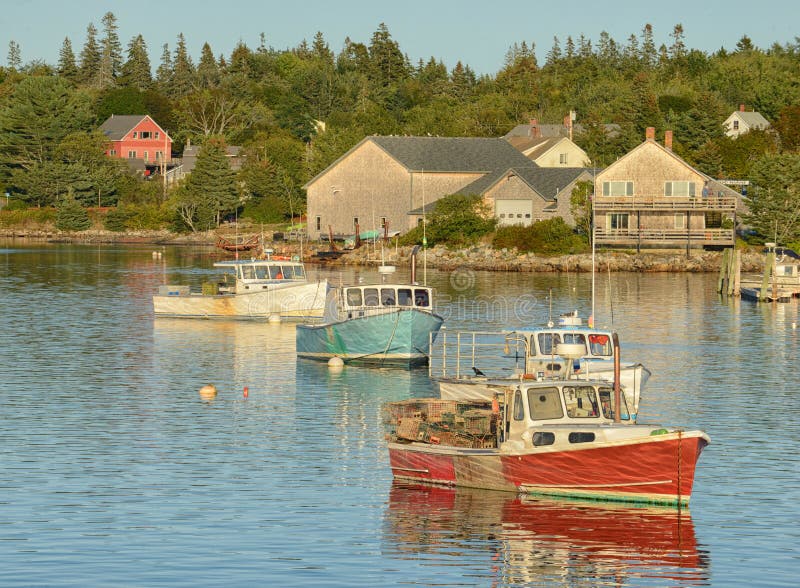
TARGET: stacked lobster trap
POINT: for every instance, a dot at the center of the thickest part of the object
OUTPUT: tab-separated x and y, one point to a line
458	423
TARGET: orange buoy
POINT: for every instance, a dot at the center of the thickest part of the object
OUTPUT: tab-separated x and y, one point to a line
208	392
246	392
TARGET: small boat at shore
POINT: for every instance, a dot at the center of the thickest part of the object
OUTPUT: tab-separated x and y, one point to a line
556	438
265	289
474	364
382	324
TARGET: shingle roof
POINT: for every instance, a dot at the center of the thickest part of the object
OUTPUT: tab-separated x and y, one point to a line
754	120
452	154
117	126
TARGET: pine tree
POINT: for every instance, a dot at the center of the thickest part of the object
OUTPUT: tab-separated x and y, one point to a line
14	56
110	52
388	65
648	54
320	48
164	71
554	55
212	185
678	48
207	69
135	72
183	74
66	61
90	58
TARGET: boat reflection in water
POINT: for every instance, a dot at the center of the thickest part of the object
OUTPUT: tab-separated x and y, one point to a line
536	541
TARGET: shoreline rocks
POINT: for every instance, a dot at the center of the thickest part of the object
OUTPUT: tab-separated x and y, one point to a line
479	257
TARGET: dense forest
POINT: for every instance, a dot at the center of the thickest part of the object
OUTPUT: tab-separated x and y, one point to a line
294	111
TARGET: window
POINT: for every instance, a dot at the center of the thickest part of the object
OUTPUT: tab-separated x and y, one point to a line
540	439
353	297
145	134
299	272
318	222
502	215
581	437
562	158
388	297
371	297
159	155
678	189
545	403
600	345
113	152
288	272
146	156
680	220
527	215
736	125
607	403
617	220
131	154
713	220
134	134
548	342
404	297
421	297
581	402
158	135
618	188
383	222
519	410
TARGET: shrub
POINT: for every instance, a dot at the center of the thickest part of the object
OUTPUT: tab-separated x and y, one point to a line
457	221
71	216
548	237
31	217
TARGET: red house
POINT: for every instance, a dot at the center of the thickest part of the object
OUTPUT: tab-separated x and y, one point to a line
137	137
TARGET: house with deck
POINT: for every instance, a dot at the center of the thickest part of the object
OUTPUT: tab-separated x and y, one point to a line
650	197
394	181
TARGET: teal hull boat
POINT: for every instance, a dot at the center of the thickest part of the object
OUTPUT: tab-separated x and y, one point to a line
374	325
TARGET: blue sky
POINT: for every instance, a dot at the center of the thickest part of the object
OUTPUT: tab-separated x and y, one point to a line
476	33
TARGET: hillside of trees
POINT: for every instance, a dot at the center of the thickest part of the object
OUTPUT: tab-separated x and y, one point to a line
294	111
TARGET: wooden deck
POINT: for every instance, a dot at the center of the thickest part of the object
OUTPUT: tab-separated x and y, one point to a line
680	237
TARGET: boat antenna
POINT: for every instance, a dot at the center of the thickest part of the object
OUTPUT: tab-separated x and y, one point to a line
424	236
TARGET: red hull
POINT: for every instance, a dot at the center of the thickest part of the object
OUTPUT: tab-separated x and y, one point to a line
658	469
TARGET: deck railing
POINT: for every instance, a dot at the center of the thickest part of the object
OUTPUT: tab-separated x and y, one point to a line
722	204
695	236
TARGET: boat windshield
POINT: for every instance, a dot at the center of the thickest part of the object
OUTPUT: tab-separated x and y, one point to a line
607	404
547	343
544	403
581	402
600	344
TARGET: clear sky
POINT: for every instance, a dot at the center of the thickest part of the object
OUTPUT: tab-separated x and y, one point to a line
477	33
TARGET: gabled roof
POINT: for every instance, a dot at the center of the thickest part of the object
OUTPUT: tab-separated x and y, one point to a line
119	125
534	144
451	154
754	120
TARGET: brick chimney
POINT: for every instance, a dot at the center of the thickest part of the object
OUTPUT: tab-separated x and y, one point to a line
650	133
668	140
536	132
741	108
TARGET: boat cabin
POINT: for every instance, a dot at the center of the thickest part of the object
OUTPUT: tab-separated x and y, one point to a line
260	274
358	301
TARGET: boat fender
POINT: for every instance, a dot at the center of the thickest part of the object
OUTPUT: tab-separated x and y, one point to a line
528	376
659	432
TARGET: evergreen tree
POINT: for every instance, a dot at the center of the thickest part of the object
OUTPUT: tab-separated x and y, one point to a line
183	73
321	50
388	65
135	72
554	55
677	50
164	71
569	48
71	216
110	52
14	56
90	58
649	54
66	61
774	198
208	73
212	185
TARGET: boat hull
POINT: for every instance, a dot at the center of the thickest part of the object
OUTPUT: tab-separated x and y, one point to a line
656	469
399	337
287	301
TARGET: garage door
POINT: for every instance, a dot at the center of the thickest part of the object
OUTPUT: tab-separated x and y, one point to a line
514	212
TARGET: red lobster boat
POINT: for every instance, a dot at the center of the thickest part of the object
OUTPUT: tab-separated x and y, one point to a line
549	437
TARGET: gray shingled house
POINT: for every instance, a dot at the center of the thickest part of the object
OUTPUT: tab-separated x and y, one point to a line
394	180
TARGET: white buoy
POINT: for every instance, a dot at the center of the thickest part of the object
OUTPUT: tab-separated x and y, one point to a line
335	363
794	325
274	318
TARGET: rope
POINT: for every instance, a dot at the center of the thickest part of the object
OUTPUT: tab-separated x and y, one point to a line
680	460
394	330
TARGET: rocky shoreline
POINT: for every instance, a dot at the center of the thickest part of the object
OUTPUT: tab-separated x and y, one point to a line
479	257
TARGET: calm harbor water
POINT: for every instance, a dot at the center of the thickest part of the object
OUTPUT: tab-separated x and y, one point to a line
114	472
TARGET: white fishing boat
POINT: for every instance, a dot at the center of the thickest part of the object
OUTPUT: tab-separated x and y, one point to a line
475	364
265	289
